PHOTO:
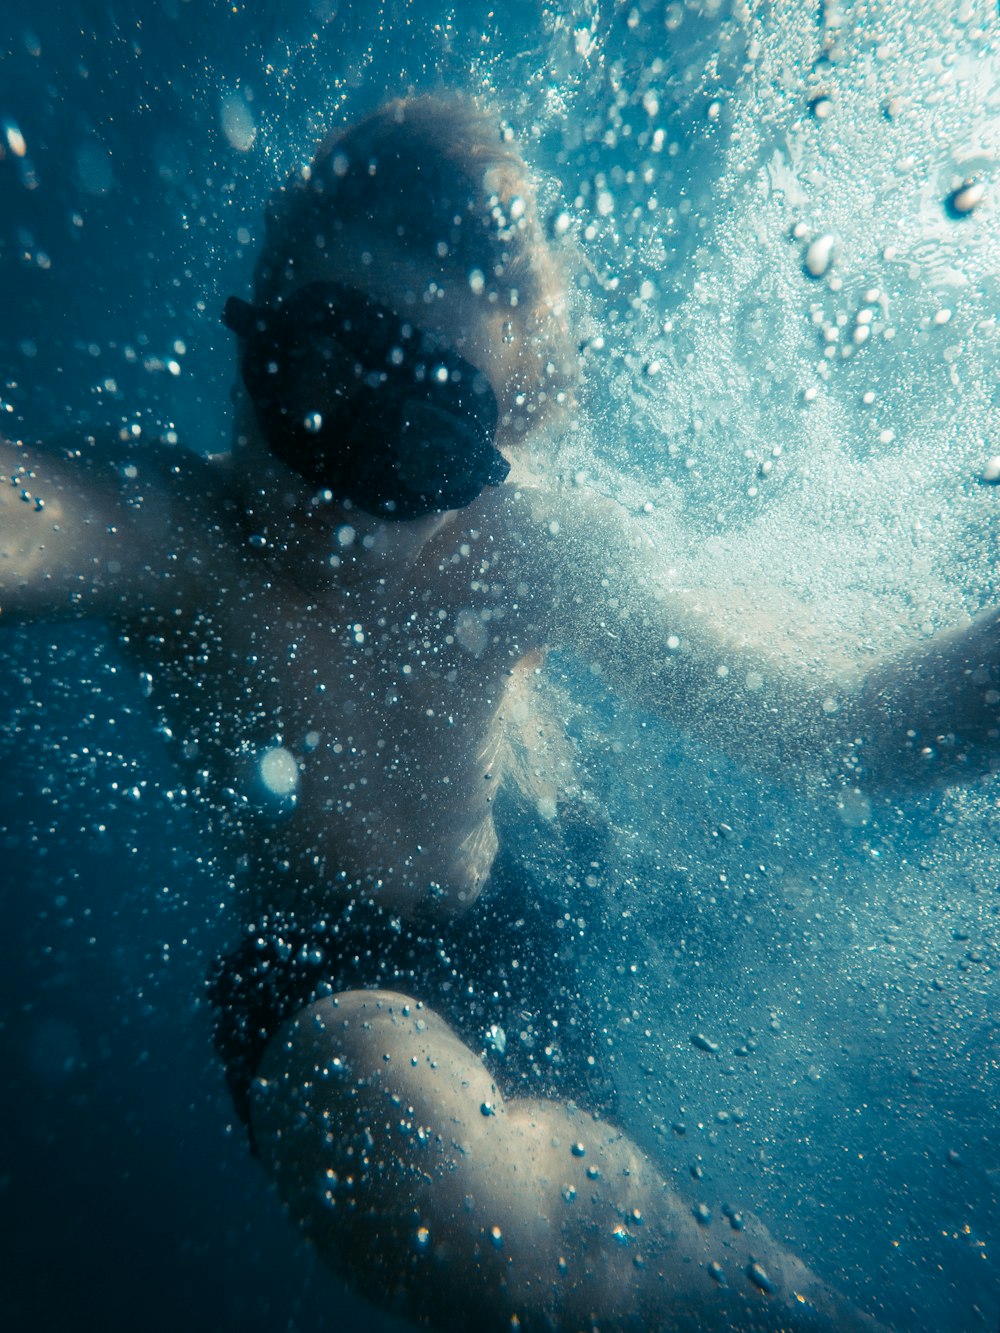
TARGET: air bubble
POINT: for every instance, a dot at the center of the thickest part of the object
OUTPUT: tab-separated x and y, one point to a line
963	201
759	1277
237	122
14	138
819	255
703	1043
278	771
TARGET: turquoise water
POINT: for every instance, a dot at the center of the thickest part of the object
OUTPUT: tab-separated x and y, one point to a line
815	414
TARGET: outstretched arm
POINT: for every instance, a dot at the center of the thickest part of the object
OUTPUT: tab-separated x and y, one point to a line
81	532
931	714
752	670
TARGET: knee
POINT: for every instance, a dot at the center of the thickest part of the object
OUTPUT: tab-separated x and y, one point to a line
369	1108
370	1063
369	1041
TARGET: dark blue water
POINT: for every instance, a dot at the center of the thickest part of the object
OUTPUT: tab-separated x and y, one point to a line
842	961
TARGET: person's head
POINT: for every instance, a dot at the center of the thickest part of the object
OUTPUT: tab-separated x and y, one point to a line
425	206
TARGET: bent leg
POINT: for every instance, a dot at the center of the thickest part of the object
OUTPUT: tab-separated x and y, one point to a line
435	1197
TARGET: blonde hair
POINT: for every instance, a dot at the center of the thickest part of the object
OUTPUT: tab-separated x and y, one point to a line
434	175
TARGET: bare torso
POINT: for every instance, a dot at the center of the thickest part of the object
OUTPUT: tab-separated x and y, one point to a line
343	735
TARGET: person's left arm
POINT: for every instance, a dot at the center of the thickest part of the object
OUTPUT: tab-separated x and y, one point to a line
930	714
748	668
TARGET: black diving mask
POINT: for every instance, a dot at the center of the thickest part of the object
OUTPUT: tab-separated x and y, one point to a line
367	405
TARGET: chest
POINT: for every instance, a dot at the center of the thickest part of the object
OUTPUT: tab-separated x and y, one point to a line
370	679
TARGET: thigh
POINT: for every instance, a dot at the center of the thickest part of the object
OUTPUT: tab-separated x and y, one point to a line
367	1091
434	1196
400	1159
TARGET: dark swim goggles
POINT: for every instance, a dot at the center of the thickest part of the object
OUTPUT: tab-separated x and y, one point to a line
365	404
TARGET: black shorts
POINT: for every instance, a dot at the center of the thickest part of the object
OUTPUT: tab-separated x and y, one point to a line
504	976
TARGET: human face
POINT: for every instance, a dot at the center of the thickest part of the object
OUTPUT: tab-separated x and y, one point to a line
371	407
400	443
431	294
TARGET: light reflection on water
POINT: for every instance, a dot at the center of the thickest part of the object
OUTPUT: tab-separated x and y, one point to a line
785	232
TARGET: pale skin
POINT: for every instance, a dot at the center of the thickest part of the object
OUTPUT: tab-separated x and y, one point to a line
384	674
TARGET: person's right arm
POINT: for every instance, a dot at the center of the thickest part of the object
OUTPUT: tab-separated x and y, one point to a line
83	531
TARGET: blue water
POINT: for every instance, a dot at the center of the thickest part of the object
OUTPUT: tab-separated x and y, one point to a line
843	961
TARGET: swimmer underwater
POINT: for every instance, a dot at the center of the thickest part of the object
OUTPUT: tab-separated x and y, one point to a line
335	617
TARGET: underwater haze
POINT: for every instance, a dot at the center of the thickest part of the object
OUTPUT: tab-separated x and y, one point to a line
783	226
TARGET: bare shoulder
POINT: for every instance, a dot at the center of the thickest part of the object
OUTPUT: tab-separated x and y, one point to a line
572	540
551	518
195	490
187	502
174	507
89	526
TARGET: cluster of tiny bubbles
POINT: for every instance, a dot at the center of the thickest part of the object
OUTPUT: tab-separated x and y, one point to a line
786	223
789	340
743	287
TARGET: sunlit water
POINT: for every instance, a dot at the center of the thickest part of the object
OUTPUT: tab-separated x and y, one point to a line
789	328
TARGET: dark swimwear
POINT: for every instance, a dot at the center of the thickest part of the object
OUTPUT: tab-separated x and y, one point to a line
504	976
